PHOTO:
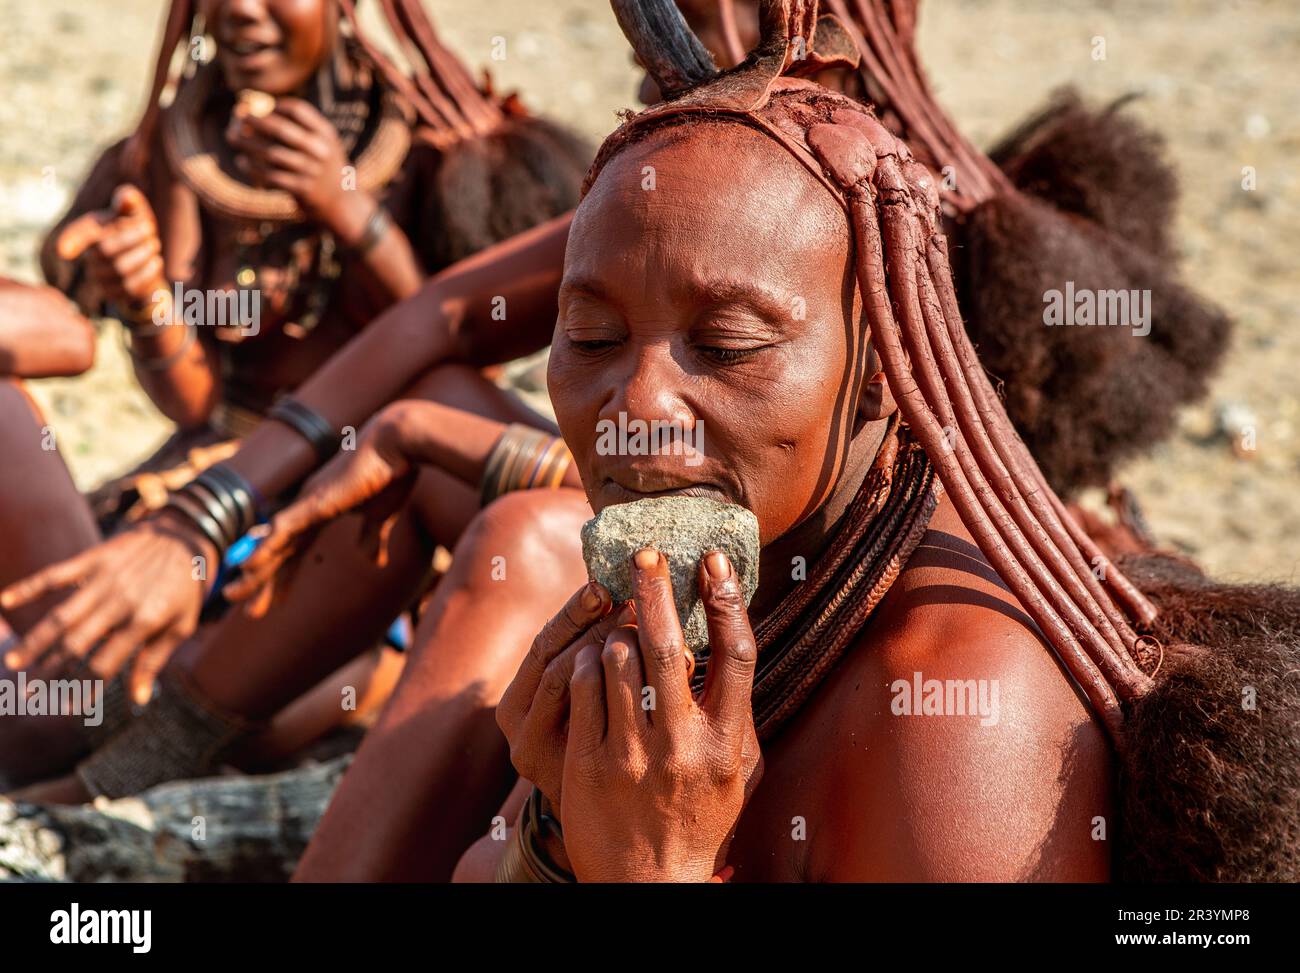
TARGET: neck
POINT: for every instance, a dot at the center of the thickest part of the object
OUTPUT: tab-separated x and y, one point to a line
808	539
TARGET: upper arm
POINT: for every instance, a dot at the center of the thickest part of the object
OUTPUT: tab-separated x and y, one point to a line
995	771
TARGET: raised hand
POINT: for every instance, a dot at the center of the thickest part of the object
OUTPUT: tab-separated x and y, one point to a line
653	792
122	248
297	149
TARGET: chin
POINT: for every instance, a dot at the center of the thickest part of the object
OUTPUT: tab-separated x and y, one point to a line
275	81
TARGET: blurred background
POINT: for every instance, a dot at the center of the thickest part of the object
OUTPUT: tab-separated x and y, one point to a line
1219	79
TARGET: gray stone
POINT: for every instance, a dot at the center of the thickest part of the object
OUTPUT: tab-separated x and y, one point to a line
682	529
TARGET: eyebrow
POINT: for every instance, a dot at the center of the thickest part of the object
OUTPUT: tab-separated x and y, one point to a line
763	300
713	293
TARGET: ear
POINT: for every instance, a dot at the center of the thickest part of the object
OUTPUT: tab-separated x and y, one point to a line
876	401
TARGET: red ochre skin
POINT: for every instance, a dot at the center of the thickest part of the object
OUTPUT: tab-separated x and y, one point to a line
848	790
144	572
451	319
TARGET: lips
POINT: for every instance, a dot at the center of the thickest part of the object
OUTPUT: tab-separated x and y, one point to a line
630	486
247	50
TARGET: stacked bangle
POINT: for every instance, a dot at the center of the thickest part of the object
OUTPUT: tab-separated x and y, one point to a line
376	226
218	501
308	423
166	361
525	859
524	458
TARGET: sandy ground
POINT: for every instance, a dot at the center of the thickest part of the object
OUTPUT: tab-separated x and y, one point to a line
1219	80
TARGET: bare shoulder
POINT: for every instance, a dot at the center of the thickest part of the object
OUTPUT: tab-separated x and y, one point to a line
980	759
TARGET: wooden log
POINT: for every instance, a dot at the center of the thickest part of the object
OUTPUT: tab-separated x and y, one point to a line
223	829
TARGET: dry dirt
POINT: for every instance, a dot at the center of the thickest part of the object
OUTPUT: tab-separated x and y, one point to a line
1219	80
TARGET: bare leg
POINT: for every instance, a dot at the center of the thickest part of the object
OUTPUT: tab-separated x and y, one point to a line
43	520
435	768
340	603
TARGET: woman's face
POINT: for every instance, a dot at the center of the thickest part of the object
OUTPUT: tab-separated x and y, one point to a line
275	46
709	280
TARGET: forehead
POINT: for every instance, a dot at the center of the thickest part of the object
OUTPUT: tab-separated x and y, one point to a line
705	199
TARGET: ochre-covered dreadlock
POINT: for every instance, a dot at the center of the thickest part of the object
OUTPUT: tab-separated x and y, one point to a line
1071	194
1088	610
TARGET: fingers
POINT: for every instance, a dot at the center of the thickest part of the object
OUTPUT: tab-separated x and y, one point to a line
110	657
660	635
280	127
732	650
145	280
108	614
261	602
624	684
381	515
128	200
304	113
120	239
548	709
150	662
537	743
81	234
259	566
586	703
54	577
585	607
54	627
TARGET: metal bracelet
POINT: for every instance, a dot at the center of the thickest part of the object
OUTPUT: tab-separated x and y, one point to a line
308	423
376	226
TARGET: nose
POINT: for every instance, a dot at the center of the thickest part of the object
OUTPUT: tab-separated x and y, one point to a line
653	387
241	11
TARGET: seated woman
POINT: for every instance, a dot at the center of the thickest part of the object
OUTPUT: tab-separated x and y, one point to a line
871	447
798	754
312	217
221	684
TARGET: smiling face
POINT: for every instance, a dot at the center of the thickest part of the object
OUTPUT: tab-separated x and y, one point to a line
723	295
275	46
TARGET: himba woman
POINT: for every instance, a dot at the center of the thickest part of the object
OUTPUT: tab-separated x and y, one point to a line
304	177
488	531
868	441
397	826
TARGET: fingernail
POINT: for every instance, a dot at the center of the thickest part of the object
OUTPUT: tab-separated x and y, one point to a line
141	697
591	598
628	614
12	661
717	565
646	558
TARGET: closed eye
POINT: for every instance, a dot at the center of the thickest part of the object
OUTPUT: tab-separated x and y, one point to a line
593	346
729	355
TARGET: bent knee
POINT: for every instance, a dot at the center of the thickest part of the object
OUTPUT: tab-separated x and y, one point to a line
479	863
529	536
